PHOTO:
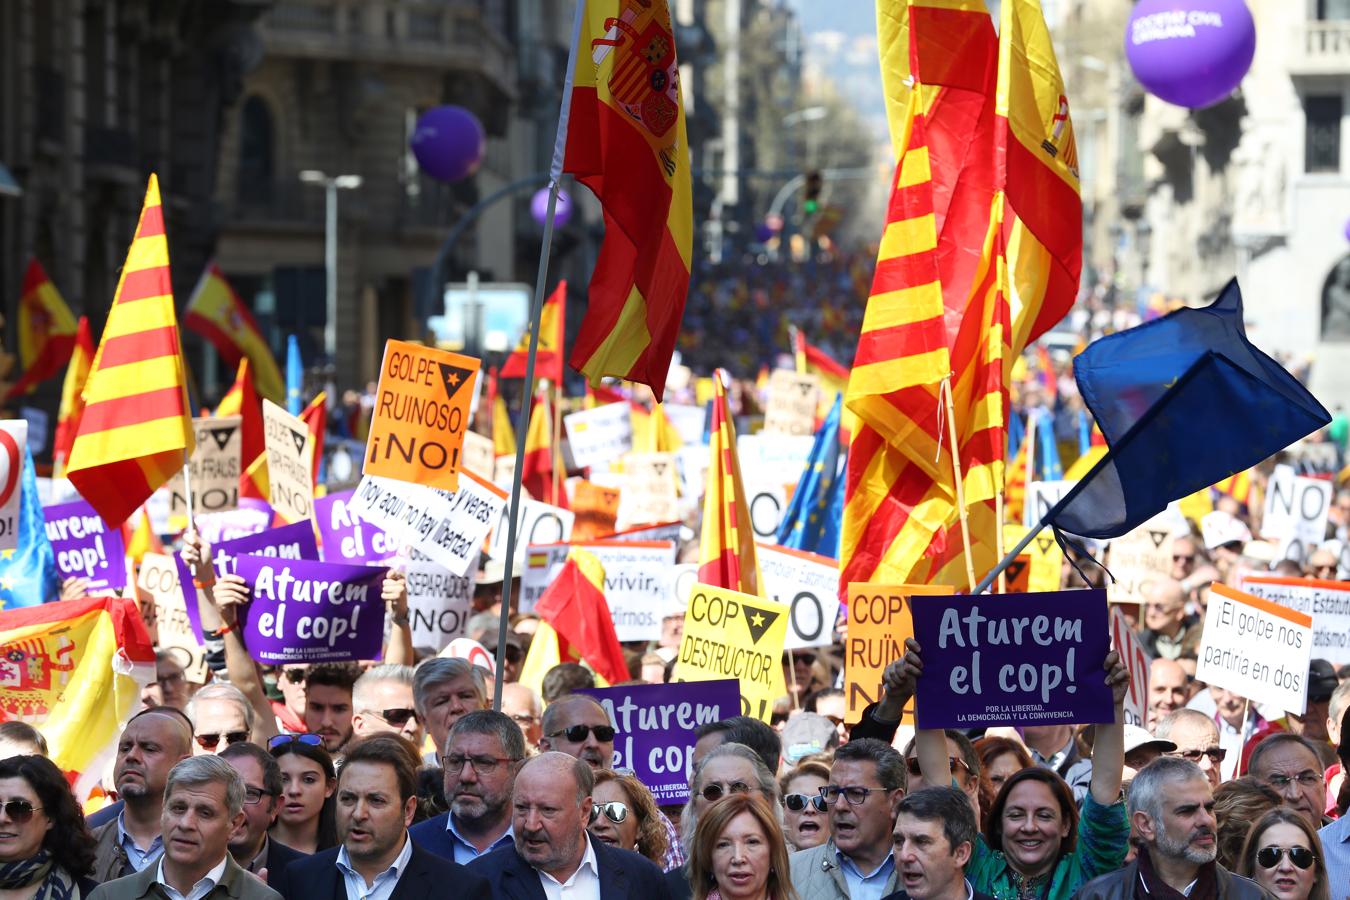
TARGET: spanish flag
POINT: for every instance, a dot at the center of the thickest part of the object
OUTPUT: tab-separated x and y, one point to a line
574	604
542	458
46	330
75	671
242	400
136	430
217	314
72	397
726	553
548	362
623	126
812	360
503	433
652	431
315	417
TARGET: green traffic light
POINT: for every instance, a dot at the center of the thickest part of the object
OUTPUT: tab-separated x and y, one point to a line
811	207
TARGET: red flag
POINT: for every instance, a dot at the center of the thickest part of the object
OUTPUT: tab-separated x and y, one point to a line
574	604
316	417
548	362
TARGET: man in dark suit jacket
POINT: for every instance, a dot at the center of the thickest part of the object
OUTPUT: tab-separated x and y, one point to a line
557	848
935	834
376	800
250	845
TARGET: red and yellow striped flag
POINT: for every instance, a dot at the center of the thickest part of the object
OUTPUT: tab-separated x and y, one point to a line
548	362
652	431
542	458
574	604
726	553
136	430
46	330
625	134
72	397
315	417
216	312
503	432
242	400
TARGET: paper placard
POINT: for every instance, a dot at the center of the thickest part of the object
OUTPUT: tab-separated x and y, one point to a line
1037	568
600	435
1296	511
879	621
480	455
793	399
689	421
1136	659
161	598
808	584
304	611
596	509
1256	649
1041	496
439	602
1326	602
634	587
447	527
290	472
294	541
214	466
768	504
251	517
13	440
85	546
728	634
537	523
773	458
1141	556
650	489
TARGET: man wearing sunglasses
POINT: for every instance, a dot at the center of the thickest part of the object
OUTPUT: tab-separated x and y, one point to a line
1171	811
962	761
221	715
579	726
382	703
1196	738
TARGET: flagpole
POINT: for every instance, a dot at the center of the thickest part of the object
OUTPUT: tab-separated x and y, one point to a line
536	314
946	390
556	443
187	490
998	540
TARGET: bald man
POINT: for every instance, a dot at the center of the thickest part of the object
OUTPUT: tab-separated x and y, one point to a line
1167	689
1168	630
579	726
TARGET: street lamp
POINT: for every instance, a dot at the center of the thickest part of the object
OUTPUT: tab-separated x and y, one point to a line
331	184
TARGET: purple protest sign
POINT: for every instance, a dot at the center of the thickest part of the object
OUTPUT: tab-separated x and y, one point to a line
1013	659
252	516
655	725
189	590
303	611
294	541
86	547
346	536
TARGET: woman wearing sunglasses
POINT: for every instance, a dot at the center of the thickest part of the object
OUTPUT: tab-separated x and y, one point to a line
1284	856
739	853
307	819
46	849
806	823
625	815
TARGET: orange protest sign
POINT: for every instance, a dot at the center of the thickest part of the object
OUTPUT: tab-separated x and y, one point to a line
596	508
421	415
879	620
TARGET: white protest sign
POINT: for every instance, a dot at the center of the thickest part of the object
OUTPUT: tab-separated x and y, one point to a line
214	467
1296	512
439	601
289	471
693	460
1137	557
13	440
601	435
809	584
1040	497
1137	662
662	531
773	458
767	503
1256	649
635	586
687	420
679	580
1327	602
650	491
792	403
447	527
536	523
161	597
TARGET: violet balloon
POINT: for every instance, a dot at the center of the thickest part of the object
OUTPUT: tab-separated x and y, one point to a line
1192	53
562	211
448	142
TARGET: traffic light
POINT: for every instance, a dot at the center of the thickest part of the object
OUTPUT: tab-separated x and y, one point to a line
811	193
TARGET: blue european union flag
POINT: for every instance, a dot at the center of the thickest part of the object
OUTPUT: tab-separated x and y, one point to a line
295	376
1184	401
28	573
1051	468
811	523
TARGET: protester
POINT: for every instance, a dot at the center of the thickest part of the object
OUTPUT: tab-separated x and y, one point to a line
307	818
805	820
1284	856
1141	748
1169	631
1237	804
963	765
522	704
1001	758
376	801
1196	738
328	704
626	816
1336	710
1167	689
170	687
1312	723
443	690
563	679
203	806
1289	765
552	852
484	749
745	730
221	715
46	850
21	739
807	734
382	702
738	853
250	844
579	726
933	840
1238	721
290	709
833	705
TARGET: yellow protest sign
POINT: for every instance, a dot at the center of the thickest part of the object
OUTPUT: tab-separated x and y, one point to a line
1037	568
728	634
421	415
878	623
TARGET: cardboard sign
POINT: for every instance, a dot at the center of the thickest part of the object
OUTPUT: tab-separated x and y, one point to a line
634	587
447	527
1256	649
1296	512
1141	556
161	597
480	455
650	489
768	504
439	602
694	460
289	469
1013	659
728	634
1326	602
85	546
251	517
295	541
421	415
662	531
13	440
808	584
772	458
601	435
346	536
878	622
1037	568
214	467
1126	643
596	509
536	523
303	611
792	403
656	725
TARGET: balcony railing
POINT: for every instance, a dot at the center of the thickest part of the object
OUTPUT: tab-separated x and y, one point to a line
1320	48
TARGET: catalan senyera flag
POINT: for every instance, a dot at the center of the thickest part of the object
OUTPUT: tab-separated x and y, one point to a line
46	330
72	397
136	429
548	362
242	400
75	670
217	314
1238	486
726	553
624	131
574	604
542	458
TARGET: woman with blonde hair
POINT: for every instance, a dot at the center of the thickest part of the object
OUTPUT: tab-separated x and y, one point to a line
739	852
626	816
806	820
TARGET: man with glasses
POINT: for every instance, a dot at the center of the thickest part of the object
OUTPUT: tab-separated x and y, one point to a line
250	844
382	702
579	726
1196	738
1289	764
220	715
866	782
1322	564
1168	631
483	751
521	703
170	687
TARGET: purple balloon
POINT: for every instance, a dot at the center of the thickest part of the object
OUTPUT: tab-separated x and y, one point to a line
562	211
1193	53
1347	229
448	142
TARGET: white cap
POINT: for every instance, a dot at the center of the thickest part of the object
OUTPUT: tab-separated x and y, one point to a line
1136	737
1219	528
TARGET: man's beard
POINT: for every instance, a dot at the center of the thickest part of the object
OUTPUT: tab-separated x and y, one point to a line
1185	849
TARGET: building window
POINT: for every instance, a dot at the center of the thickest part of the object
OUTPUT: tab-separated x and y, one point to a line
255	151
1333	10
1322	145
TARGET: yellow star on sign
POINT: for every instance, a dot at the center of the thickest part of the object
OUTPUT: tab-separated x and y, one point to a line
7	554
757	620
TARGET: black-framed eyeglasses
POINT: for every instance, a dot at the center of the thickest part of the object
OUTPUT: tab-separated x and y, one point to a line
483	765
717	790
1269	857
211	739
397	717
280	740
577	733
797	802
856	796
294	675
253	796
953	763
615	811
1215	754
19	811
